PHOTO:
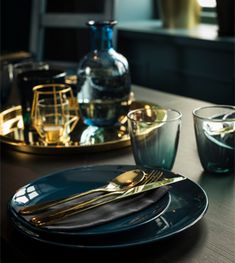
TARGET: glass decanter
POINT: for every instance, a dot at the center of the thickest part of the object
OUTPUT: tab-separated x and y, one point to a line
104	82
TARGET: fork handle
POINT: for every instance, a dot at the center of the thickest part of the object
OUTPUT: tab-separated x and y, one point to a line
28	210
62	213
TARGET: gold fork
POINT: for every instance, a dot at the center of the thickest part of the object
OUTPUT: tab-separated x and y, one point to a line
154	175
38	208
63	212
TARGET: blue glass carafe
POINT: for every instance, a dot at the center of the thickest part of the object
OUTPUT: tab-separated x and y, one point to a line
104	81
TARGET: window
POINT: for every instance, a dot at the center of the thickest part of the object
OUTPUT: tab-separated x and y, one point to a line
207	3
208	14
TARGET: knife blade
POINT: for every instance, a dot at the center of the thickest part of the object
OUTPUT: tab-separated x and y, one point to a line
59	214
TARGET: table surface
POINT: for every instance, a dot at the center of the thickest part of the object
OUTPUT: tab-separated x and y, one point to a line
212	239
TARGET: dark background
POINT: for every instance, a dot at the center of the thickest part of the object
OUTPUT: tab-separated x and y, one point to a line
190	67
15	25
15	28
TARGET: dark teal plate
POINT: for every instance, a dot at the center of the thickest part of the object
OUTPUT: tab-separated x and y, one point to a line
68	182
188	204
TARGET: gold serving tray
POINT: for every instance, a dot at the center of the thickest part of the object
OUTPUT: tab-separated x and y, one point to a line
82	139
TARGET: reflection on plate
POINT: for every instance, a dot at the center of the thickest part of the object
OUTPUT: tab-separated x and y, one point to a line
188	204
82	139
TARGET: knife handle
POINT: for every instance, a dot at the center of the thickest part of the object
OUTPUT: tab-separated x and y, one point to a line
42	207
59	214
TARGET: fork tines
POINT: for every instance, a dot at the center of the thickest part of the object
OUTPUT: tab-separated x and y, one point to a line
153	176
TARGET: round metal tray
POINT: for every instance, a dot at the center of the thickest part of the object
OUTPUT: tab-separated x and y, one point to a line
82	139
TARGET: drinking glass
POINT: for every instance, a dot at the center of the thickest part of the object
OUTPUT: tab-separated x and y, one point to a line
29	65
7	62
54	112
154	134
214	128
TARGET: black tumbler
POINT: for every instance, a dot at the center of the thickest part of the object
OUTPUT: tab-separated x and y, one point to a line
25	83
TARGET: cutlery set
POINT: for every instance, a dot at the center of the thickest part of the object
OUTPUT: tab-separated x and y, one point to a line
125	185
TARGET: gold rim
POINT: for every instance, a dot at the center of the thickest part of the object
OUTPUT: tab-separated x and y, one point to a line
22	146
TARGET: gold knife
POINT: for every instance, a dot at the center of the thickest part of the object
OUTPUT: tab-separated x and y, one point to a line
59	214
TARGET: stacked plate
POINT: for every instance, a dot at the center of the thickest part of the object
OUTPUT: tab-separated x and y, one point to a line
182	206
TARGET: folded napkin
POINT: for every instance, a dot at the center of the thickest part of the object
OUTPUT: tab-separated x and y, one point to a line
104	213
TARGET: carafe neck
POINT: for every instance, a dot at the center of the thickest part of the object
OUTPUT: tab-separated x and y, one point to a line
102	35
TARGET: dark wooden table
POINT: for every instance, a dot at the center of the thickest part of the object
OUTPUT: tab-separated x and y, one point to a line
212	239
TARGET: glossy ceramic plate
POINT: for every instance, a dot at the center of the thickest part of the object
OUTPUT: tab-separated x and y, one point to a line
69	182
82	139
188	204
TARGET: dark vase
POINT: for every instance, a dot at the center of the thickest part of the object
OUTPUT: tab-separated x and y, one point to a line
180	13
7	62
103	79
225	17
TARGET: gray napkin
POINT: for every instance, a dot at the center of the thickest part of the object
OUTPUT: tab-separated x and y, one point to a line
105	213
